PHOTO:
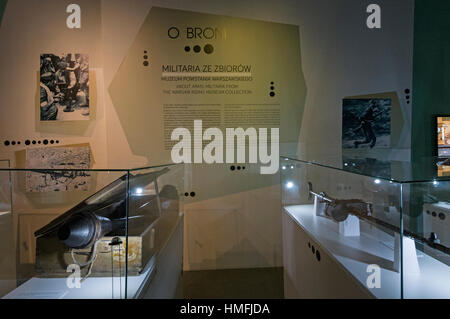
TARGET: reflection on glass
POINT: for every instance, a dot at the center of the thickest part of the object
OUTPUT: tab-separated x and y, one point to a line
102	247
368	219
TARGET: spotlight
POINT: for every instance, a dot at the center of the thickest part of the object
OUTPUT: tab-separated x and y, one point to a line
377	181
289	185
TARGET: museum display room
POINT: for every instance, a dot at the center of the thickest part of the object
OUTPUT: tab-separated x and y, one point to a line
224	149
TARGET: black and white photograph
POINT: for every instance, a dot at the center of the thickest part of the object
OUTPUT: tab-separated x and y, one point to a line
366	123
68	157
64	87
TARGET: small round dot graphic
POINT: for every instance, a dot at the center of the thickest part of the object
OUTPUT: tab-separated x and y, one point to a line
145	57
192	194
197	49
13	143
27	142
407	91
187	48
208	49
272	94
6	143
145	63
173	32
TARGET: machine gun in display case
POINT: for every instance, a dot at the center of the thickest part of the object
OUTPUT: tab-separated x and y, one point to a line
339	210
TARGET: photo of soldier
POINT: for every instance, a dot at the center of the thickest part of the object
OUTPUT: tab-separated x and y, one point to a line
65	82
366	123
366	126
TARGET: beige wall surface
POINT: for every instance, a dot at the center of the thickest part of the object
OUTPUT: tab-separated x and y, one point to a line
28	29
240	226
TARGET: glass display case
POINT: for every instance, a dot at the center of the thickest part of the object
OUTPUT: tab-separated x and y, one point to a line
385	225
86	233
7	265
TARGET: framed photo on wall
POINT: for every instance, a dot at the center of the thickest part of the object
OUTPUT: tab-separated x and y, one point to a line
64	87
366	123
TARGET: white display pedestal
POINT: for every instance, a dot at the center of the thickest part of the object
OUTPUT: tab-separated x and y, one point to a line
350	226
410	262
306	277
319	207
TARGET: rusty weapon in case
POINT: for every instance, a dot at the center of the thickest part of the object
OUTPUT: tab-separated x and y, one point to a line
339	209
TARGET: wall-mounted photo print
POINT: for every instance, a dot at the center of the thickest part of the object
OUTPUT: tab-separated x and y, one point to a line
366	123
68	157
64	87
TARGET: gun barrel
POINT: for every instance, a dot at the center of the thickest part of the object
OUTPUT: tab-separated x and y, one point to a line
342	208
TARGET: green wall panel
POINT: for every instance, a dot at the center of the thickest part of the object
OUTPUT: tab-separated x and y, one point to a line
2	9
431	88
431	75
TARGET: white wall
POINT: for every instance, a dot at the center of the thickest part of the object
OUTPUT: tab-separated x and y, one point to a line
340	57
